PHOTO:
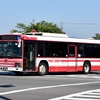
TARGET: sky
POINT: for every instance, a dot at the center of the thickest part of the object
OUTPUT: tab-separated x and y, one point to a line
77	18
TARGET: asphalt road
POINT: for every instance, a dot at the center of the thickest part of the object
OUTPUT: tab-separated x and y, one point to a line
54	86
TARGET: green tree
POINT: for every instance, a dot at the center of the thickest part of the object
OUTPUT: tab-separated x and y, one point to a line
97	36
42	26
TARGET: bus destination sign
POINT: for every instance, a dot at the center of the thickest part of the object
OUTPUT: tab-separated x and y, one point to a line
7	37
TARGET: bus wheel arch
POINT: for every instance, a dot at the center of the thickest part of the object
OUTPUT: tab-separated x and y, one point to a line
43	68
86	67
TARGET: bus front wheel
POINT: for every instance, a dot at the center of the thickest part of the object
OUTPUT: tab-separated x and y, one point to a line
86	68
42	70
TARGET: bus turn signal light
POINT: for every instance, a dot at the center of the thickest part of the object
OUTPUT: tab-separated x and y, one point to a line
18	65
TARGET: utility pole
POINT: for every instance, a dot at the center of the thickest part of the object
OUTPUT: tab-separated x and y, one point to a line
61	26
18	20
33	30
33	21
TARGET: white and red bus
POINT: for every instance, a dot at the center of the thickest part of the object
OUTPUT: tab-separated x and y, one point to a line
45	52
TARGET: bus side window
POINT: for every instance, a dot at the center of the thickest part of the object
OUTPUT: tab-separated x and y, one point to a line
26	50
63	49
40	49
71	51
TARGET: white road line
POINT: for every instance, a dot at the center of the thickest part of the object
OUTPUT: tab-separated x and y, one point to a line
94	93
80	96
46	87
87	96
84	76
79	99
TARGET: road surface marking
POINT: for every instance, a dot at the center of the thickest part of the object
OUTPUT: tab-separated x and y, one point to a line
86	95
46	87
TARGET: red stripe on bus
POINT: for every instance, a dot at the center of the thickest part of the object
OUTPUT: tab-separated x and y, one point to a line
56	60
64	60
95	68
50	60
69	68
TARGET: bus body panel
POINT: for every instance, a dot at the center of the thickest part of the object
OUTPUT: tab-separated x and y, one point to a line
8	64
56	63
68	65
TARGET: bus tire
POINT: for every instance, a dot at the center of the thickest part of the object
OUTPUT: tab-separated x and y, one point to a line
86	68
42	70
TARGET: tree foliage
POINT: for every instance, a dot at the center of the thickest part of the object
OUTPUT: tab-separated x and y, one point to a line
97	36
42	26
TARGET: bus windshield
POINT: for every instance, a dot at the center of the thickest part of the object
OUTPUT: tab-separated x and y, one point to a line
10	49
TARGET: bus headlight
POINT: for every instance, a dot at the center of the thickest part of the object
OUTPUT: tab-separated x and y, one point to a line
18	65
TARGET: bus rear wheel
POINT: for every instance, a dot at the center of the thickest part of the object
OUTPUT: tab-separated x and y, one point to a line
86	68
42	70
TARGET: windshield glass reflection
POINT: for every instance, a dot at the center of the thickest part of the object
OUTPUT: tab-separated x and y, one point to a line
10	49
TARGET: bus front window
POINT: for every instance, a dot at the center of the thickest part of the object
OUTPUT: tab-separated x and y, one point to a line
10	49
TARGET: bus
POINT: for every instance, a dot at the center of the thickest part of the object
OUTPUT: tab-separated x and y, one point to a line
44	53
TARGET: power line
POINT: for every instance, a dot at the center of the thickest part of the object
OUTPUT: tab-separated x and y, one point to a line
83	23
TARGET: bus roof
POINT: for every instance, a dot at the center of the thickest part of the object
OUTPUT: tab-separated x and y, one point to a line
41	36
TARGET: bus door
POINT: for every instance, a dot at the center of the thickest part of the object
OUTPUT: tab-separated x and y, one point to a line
72	57
29	56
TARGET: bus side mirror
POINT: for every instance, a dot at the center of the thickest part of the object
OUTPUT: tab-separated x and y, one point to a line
19	44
